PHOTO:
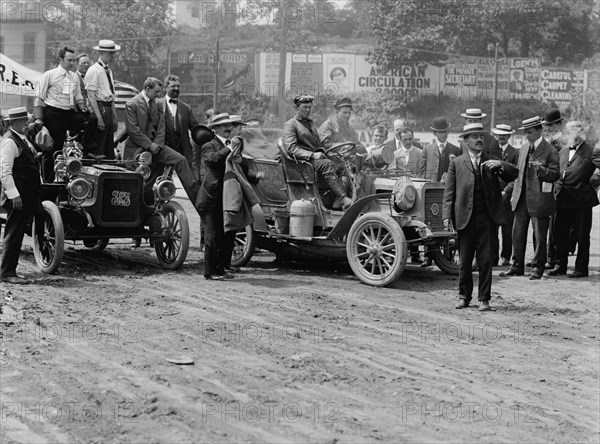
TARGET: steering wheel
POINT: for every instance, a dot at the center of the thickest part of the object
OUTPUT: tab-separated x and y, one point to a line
340	149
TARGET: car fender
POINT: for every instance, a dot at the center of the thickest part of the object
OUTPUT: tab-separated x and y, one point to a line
259	223
344	224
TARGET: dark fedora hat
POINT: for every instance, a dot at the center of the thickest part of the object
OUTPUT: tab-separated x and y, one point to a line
201	134
532	122
551	116
345	101
440	124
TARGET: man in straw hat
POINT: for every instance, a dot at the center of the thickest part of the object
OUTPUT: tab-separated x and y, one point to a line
533	198
575	198
490	145
20	179
100	87
59	105
301	140
507	153
473	205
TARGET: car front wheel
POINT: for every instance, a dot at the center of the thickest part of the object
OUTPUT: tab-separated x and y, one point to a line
48	238
172	248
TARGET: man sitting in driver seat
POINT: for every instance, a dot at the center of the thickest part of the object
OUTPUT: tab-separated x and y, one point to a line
301	140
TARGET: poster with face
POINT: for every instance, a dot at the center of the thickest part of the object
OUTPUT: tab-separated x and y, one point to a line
338	73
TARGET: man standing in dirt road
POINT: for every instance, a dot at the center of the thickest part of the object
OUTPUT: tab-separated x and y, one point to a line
473	203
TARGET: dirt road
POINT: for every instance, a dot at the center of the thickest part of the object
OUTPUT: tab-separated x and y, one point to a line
292	355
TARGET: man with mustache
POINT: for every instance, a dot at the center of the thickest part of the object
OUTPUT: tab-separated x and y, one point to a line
473	204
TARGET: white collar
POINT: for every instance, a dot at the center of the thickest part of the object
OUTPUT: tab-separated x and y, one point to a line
63	71
146	98
503	147
222	139
537	142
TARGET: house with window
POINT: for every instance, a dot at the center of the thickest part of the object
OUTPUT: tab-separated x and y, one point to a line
196	13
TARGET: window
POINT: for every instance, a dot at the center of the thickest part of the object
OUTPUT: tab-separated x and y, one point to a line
29	47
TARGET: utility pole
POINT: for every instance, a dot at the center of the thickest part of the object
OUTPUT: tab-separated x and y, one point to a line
282	66
495	93
216	89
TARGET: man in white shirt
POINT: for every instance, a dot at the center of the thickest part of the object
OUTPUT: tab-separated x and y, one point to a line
59	105
20	179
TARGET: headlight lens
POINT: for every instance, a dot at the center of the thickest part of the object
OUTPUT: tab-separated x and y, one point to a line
144	170
73	166
79	188
405	194
164	189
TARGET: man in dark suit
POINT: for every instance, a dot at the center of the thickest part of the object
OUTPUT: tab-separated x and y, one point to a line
19	194
473	203
533	198
145	123
507	153
218	244
179	119
575	198
436	156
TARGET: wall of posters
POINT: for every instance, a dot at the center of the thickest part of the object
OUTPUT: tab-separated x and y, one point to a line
524	78
556	85
306	74
268	73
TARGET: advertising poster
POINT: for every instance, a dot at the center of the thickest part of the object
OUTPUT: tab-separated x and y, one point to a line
524	78
556	85
268	72
307	74
338	73
485	79
406	80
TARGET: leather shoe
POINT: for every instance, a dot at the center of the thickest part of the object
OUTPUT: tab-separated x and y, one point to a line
556	272
511	272
549	266
462	303
214	277
232	269
346	202
505	262
484	306
15	280
537	274
578	274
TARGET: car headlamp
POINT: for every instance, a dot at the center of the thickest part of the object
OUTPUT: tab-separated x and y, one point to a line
164	189
79	188
144	170
405	194
73	166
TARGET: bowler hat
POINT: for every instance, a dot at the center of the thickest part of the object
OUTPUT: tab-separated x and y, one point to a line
220	119
107	45
473	113
532	122
552	115
201	134
345	101
472	128
440	124
502	129
17	113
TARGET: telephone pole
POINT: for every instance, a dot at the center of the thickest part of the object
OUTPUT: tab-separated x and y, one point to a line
216	88
495	92
282	66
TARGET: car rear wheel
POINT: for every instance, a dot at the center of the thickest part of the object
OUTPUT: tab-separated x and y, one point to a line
96	245
48	238
376	249
172	248
446	256
244	246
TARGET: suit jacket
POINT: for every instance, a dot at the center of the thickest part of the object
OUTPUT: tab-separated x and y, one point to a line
179	139
143	128
510	155
540	201
430	159
413	164
214	157
301	139
460	190
573	189
330	133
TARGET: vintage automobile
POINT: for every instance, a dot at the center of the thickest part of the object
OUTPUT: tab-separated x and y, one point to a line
94	201
391	214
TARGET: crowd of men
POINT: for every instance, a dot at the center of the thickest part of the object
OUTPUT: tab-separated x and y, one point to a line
490	185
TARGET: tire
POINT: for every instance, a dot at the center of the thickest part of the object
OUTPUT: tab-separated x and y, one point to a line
96	245
446	256
376	249
48	248
172	249
244	247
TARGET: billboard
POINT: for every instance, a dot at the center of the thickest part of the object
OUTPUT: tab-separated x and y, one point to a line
524	78
556	85
338	73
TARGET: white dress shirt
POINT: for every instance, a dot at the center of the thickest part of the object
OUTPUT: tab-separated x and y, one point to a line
60	89
9	151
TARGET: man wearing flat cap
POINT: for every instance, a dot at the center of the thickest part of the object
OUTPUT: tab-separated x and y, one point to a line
301	141
19	194
473	205
533	198
575	198
337	127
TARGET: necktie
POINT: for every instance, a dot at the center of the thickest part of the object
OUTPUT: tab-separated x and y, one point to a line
173	101
110	83
227	142
573	147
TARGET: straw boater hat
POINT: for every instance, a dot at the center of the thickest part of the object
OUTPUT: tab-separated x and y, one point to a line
399	124
552	116
17	113
107	45
220	119
472	128
236	118
342	103
502	129
473	113
532	122
440	124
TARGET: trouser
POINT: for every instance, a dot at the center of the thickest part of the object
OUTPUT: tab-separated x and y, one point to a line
104	138
218	245
503	251
519	234
168	156
14	231
476	238
581	221
58	121
327	169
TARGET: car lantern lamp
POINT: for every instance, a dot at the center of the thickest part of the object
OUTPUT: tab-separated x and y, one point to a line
144	160
73	166
79	188
60	168
164	189
405	194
